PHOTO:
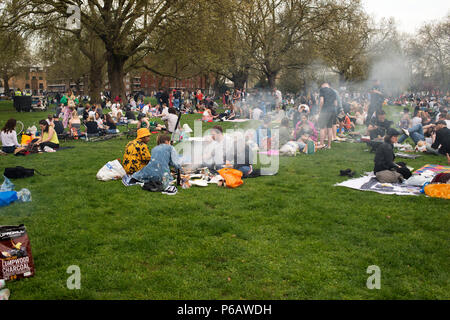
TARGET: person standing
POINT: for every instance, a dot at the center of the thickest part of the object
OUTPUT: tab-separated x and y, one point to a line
164	98
376	101
337	110
278	97
199	96
327	113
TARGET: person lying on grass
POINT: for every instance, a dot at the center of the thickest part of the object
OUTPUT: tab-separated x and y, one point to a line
48	137
143	122
137	155
157	171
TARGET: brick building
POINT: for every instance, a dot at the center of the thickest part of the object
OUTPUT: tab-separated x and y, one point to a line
33	81
152	82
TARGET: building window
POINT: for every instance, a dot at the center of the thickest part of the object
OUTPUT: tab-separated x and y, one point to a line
41	86
27	76
27	86
33	78
40	78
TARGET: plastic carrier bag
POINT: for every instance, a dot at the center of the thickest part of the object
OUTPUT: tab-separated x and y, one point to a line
26	139
438	190
113	170
233	177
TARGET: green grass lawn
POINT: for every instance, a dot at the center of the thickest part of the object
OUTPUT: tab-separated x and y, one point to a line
289	236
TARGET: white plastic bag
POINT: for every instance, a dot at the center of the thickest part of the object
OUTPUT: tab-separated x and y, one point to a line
48	149
32	130
113	170
289	149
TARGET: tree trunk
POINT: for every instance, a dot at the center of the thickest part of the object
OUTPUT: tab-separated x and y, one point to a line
342	79
116	75
95	82
271	78
6	84
239	80
77	86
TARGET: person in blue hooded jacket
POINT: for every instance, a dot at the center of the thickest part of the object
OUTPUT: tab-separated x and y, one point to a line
158	169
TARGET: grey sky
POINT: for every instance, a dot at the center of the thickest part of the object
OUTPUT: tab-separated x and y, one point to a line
409	14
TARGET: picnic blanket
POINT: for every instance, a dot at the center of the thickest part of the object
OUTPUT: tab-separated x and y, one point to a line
407	156
237	120
370	183
436	168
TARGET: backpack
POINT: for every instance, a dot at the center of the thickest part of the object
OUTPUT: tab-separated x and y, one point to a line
18	172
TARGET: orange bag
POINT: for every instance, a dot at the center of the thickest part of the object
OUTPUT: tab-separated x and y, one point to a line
438	190
26	139
233	177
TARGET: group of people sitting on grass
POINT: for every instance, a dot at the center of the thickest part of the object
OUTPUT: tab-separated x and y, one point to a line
47	138
153	168
387	171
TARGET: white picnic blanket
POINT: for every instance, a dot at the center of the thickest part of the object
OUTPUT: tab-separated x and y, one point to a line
370	183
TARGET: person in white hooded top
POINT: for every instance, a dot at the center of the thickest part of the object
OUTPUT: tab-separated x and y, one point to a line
9	136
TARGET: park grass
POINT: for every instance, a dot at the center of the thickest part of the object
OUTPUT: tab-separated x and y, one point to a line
288	236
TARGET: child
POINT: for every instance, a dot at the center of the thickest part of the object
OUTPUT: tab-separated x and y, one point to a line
421	146
345	123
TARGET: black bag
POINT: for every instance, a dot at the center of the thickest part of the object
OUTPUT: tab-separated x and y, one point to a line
18	172
153	186
403	170
32	147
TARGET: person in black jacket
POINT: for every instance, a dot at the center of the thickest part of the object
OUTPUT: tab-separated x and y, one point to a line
376	101
379	125
385	168
441	140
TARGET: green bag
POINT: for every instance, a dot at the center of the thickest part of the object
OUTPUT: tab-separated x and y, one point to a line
311	147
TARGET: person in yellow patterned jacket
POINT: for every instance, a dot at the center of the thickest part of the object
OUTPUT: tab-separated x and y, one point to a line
137	154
